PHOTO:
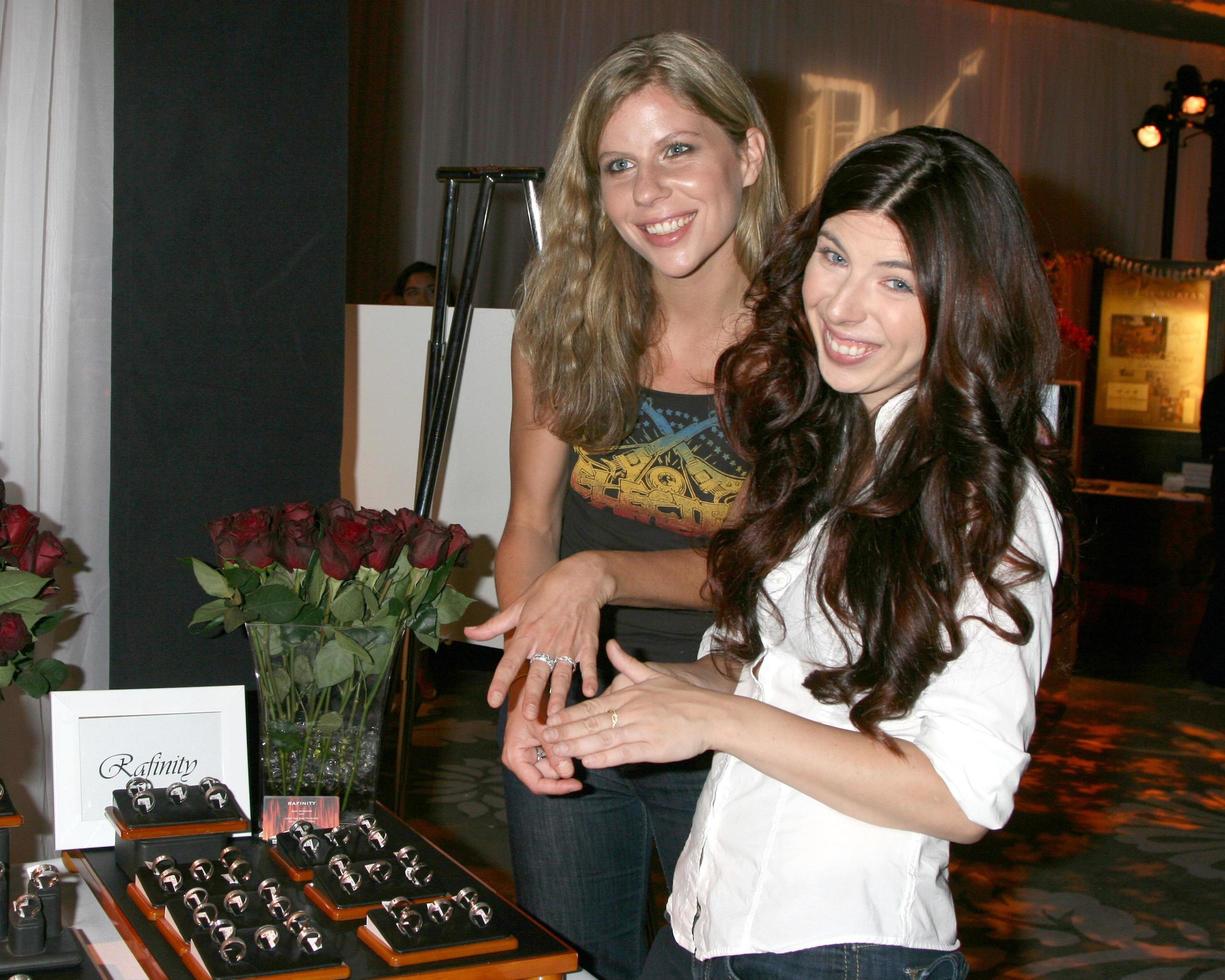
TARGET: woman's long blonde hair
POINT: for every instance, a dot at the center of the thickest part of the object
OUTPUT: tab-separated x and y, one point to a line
587	312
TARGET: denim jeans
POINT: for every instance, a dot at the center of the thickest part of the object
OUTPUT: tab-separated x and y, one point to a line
582	863
849	961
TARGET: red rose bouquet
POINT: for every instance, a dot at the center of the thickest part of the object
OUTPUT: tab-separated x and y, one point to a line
332	565
28	559
325	595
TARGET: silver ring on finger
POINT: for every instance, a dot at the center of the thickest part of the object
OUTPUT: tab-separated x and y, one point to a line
541	754
547	659
570	661
613	718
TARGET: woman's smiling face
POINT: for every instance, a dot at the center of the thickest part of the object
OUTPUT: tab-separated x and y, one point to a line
671	182
862	307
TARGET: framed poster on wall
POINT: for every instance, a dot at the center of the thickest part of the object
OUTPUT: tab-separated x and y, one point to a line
1152	351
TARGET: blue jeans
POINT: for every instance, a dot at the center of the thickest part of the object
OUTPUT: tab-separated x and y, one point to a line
849	961
582	863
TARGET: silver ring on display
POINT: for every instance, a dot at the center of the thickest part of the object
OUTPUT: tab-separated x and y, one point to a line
233	950
311	940
568	660
267	938
481	914
547	659
541	754
221	930
465	897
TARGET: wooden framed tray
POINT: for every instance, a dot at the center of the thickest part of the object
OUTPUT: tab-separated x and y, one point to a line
531	950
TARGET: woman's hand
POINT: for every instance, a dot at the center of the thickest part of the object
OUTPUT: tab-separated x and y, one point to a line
551	776
647	715
558	614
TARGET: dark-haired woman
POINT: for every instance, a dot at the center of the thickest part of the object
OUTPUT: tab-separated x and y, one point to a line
884	606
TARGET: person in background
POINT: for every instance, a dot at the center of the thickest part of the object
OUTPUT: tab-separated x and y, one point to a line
414	286
885	596
657	207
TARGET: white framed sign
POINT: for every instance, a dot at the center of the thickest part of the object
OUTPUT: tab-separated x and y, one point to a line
101	739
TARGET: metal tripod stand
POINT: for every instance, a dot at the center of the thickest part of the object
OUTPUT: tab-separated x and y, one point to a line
444	366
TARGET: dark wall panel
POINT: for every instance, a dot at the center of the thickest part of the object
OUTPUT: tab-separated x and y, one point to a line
229	280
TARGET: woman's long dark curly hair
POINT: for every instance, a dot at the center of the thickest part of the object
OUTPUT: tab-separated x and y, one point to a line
914	520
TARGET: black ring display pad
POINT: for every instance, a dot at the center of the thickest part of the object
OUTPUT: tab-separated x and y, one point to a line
255	914
546	953
288	957
361	850
444	882
195	809
63	958
460	930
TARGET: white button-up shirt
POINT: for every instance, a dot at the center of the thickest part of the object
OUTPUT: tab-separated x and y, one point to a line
770	869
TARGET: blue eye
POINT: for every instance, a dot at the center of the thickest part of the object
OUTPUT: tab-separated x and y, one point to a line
830	256
899	285
676	149
617	166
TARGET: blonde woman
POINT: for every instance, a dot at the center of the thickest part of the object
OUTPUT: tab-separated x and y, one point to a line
656	211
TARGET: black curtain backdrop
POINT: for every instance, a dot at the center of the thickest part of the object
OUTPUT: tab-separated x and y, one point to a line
228	315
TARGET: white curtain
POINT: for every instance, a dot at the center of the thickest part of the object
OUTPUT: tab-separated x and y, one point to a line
56	140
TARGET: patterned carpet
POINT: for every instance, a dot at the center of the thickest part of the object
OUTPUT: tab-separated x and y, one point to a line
1113	865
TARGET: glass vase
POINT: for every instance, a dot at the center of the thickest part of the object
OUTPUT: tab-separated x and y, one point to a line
321	695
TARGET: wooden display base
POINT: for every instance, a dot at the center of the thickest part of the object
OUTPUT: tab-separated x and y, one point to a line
352	913
146	908
537	952
324	896
288	868
205	964
376	942
231	825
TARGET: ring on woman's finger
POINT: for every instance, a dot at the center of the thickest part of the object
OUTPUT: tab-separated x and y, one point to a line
541	754
547	659
613	718
567	660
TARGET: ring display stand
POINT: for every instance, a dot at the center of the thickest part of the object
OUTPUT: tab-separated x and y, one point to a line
190	828
171	942
36	945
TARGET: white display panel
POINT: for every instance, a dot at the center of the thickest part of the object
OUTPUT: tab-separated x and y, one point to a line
385	357
101	739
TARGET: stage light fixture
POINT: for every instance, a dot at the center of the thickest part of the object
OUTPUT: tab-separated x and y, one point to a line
1194	107
1189	87
1150	134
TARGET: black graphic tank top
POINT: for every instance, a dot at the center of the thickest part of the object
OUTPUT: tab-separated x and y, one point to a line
670	485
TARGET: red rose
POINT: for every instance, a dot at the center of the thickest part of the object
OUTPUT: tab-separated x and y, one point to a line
459	541
17	527
342	546
335	509
296	526
14	636
41	555
428	547
409	521
386	540
245	536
